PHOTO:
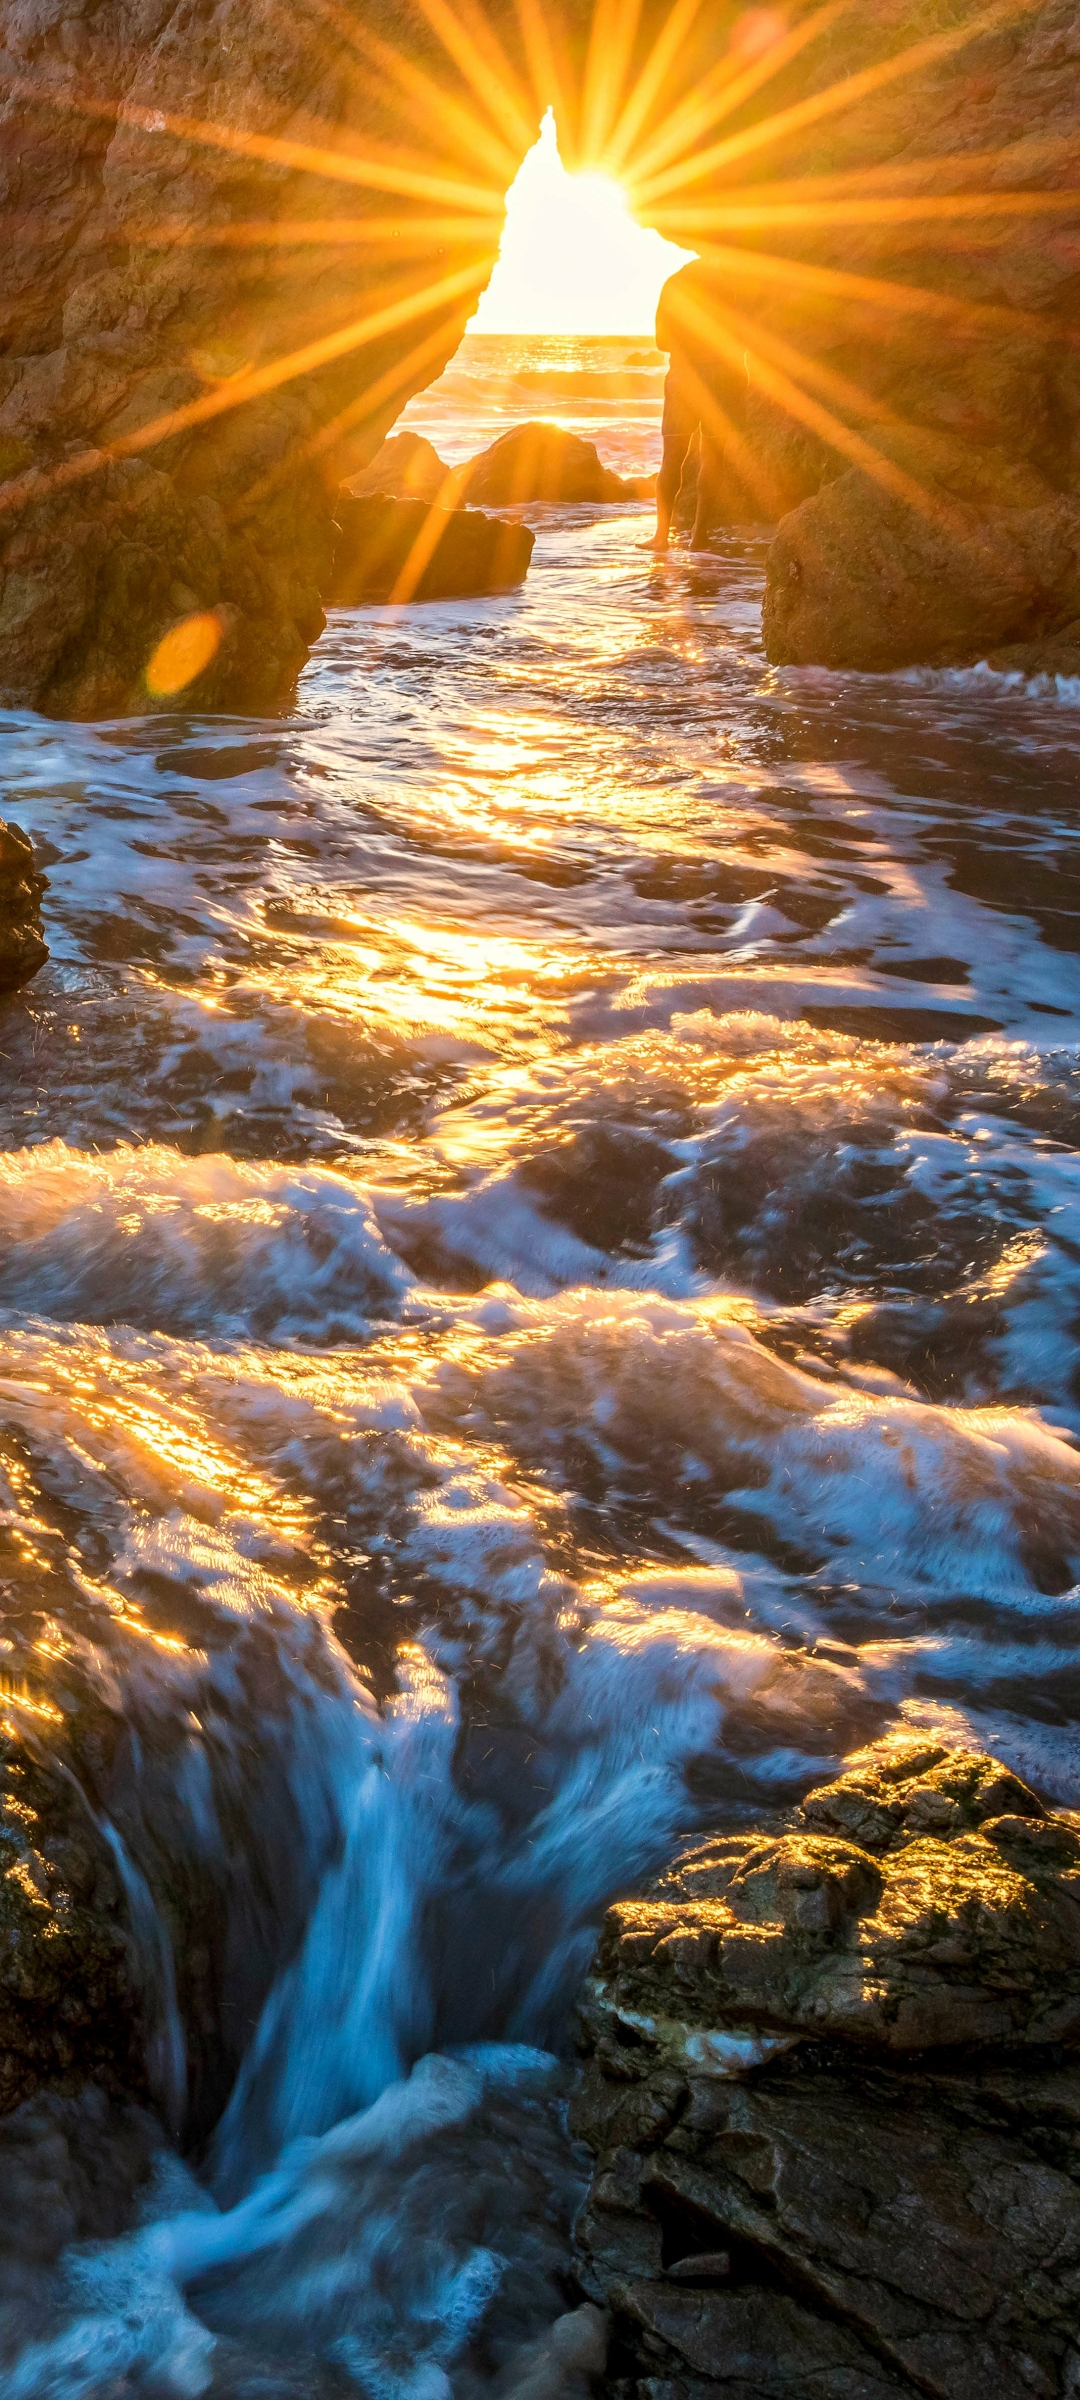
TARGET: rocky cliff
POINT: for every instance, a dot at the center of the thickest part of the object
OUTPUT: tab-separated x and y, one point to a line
832	2086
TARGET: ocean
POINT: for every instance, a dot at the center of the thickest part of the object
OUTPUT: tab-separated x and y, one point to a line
539	1306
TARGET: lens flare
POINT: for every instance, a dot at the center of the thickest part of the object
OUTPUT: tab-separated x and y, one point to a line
183	653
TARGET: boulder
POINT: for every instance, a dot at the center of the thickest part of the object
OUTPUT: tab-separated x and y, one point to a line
406	467
862	576
539	461
404	550
831	2081
22	945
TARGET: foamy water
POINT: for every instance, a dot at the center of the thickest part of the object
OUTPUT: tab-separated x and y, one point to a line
539	1304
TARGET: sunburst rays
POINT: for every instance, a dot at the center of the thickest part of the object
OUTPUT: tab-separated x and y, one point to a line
680	102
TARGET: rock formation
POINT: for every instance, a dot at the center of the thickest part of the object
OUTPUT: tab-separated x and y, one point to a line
832	2085
70	2006
889	229
22	945
406	467
539	461
238	239
405	550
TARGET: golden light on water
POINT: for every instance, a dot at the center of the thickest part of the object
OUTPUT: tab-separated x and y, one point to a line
573	259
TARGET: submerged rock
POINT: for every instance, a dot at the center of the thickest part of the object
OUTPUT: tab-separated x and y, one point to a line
73	2168
22	943
832	2085
1057	654
540	462
405	550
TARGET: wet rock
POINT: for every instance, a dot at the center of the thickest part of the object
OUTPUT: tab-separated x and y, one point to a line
979	556
70	2003
1059	654
72	2168
404	550
540	462
406	467
832	2087
22	944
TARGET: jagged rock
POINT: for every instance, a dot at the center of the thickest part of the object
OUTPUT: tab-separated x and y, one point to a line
70	2002
832	2085
404	549
541	462
406	467
22	943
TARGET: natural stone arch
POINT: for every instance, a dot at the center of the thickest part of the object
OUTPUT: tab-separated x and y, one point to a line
307	203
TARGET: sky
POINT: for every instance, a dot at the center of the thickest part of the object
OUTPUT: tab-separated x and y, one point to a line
572	258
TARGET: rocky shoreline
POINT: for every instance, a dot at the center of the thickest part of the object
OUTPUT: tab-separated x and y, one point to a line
829	2080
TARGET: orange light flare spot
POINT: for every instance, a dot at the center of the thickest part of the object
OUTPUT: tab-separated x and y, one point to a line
756	31
184	652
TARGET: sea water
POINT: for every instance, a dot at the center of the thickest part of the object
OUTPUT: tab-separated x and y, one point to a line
539	1305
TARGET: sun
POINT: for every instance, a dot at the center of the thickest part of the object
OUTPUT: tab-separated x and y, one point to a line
572	259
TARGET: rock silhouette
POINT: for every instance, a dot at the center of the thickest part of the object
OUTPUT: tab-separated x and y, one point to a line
194	355
406	550
810	2061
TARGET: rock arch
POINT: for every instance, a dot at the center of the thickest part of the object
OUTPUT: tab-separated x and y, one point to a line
239	238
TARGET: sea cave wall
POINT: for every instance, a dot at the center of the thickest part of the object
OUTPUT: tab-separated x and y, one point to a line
889	226
240	238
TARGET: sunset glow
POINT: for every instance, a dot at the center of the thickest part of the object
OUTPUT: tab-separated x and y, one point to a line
572	259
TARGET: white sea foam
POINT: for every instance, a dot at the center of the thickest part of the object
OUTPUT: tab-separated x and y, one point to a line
538	1260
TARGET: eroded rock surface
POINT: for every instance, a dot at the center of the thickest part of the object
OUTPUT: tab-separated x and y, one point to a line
22	941
832	2082
239	239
